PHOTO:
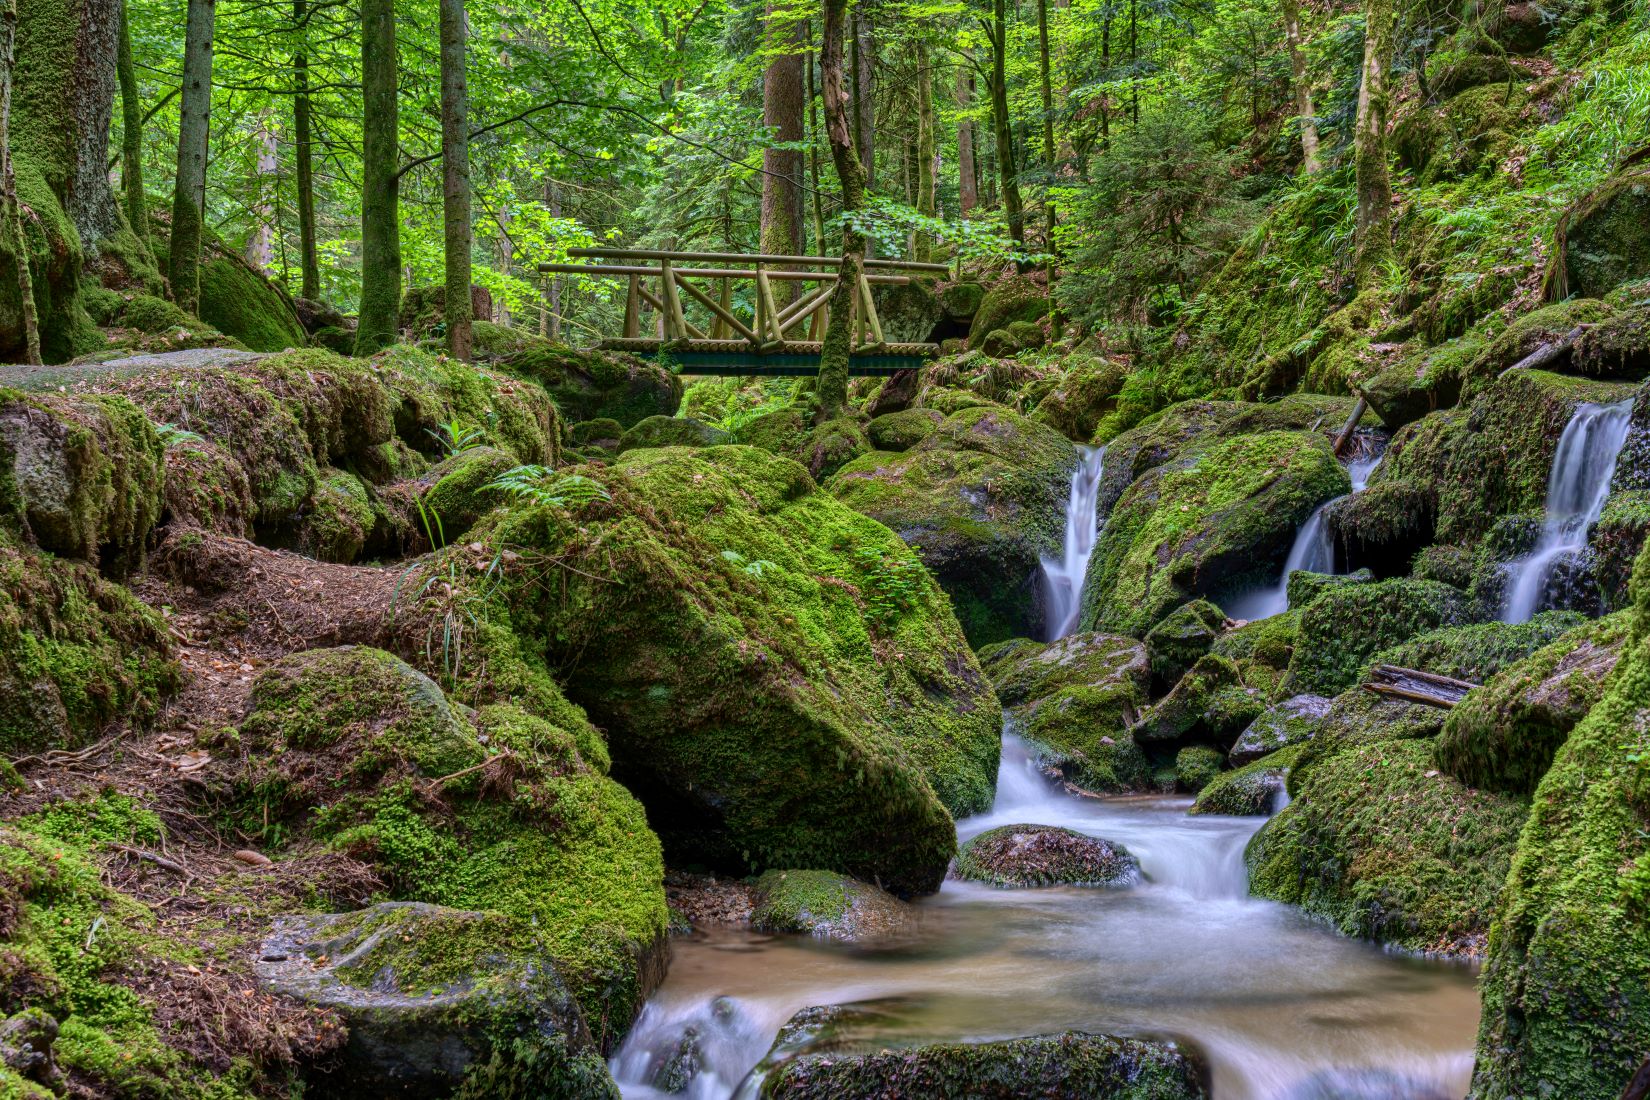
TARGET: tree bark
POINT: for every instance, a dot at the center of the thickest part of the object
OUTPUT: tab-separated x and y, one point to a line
304	148
834	355
813	152
865	96
13	227
455	180
1369	154
194	130
968	191
1303	87
380	187
1013	208
927	160
782	168
131	136
1050	154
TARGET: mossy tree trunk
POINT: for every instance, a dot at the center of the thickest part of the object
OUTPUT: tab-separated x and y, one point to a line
813	147
380	198
131	135
782	115
194	130
837	348
1002	126
1050	153
13	227
1374	178
303	139
455	179
1303	87
926	166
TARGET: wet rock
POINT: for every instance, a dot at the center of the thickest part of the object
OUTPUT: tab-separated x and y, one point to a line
1044	855
672	431
1346	626
1015	298
1185	634
827	905
1084	392
1250	790
1304	587
1603	240
1212	701
435	998
1196	766
26	1042
1290	722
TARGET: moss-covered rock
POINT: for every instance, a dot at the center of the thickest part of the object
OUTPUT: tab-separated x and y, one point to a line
1602	239
1346	626
908	312
733	629
1291	722
337	520
1195	767
1385	846
461	490
961	300
671	431
1566	1003
1269	642
831	446
235	298
1184	635
503	811
900	431
1025	672
587	385
827	905
438	1002
1503	736
603	432
1206	524
205	487
1084	393
76	652
1014	856
1250	790
981	499
1015	298
1213	701
1481	650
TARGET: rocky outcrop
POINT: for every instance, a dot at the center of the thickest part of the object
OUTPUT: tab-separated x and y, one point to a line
1044	855
587	385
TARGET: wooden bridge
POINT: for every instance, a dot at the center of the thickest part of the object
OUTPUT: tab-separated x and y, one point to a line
774	340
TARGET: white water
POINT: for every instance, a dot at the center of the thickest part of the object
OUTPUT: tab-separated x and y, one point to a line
1577	488
1313	551
1063	577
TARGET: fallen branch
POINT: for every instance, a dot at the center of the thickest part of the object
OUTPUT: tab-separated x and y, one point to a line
1548	353
1351	425
1416	686
158	860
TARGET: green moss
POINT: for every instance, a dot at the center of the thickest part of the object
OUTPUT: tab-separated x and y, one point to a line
1269	642
1085	392
671	431
1601	239
1250	790
1213	701
1479	651
831	446
1184	635
586	385
1012	856
150	314
460	492
1015	298
1346	626
900	431
1196	766
824	904
338	518
604	431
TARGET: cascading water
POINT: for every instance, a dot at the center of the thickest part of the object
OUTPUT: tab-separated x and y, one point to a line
1063	577
1313	551
1577	488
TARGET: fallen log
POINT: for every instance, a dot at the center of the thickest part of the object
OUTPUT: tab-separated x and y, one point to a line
1416	686
1351	424
1548	353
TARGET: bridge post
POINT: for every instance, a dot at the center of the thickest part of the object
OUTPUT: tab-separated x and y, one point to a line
633	309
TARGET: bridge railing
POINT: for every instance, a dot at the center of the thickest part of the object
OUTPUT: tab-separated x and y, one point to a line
663	279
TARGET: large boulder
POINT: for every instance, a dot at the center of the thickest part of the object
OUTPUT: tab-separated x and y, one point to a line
1207	524
861	721
495	809
1248	791
671	431
1185	634
1044	855
1084	392
438	1002
1347	625
1015	298
1503	736
1566	1004
587	385
909	312
982	498
1291	722
236	298
1604	239
1212	702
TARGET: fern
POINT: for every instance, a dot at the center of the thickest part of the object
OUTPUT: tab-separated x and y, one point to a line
454	437
532	484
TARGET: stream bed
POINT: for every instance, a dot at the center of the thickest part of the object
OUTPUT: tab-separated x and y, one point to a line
1281	1006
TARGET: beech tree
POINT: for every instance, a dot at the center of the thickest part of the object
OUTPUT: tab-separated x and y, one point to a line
380	181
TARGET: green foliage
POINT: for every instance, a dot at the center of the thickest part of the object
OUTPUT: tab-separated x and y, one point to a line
533	484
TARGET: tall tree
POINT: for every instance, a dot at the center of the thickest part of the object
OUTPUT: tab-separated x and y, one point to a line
968	190
927	161
1002	125
782	115
1050	153
1302	86
865	125
813	149
380	181
455	179
834	355
13	227
194	134
131	134
1369	152
303	140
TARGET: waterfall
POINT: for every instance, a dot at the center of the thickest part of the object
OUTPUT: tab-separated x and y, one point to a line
1063	577
1577	488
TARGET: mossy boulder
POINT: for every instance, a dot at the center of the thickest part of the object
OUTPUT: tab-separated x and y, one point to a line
603	432
1213	701
1184	635
900	431
1196	766
831	446
1085	392
76	652
1427	379
982	499
1206	525
1503	736
1293	721
1002	343
1025	672
727	566
1250	790
827	905
671	431
908	312
1269	642
1385	846
1346	626
1603	240
961	300
438	1002
587	385
1480	650
1015	298
1013	856
496	809
205	487
337	520
1566	1008
1302	587
460	490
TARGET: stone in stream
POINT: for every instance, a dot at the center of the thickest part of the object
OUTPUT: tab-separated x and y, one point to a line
832	1053
827	905
435	998
1248	791
1294	720
1044	855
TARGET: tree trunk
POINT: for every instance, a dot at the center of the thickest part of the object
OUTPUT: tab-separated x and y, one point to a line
1374	181
865	96
304	146
260	246
927	161
1050	154
455	180
837	347
13	219
782	168
550	325
813	151
968	191
380	186
194	130
131	136
1303	86
1013	209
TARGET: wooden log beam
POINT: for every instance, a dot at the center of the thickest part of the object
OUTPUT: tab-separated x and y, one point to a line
723	315
870	306
617	270
743	258
1548	353
1351	425
770	311
633	308
802	307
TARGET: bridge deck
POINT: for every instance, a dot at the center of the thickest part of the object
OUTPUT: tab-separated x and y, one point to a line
797	357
